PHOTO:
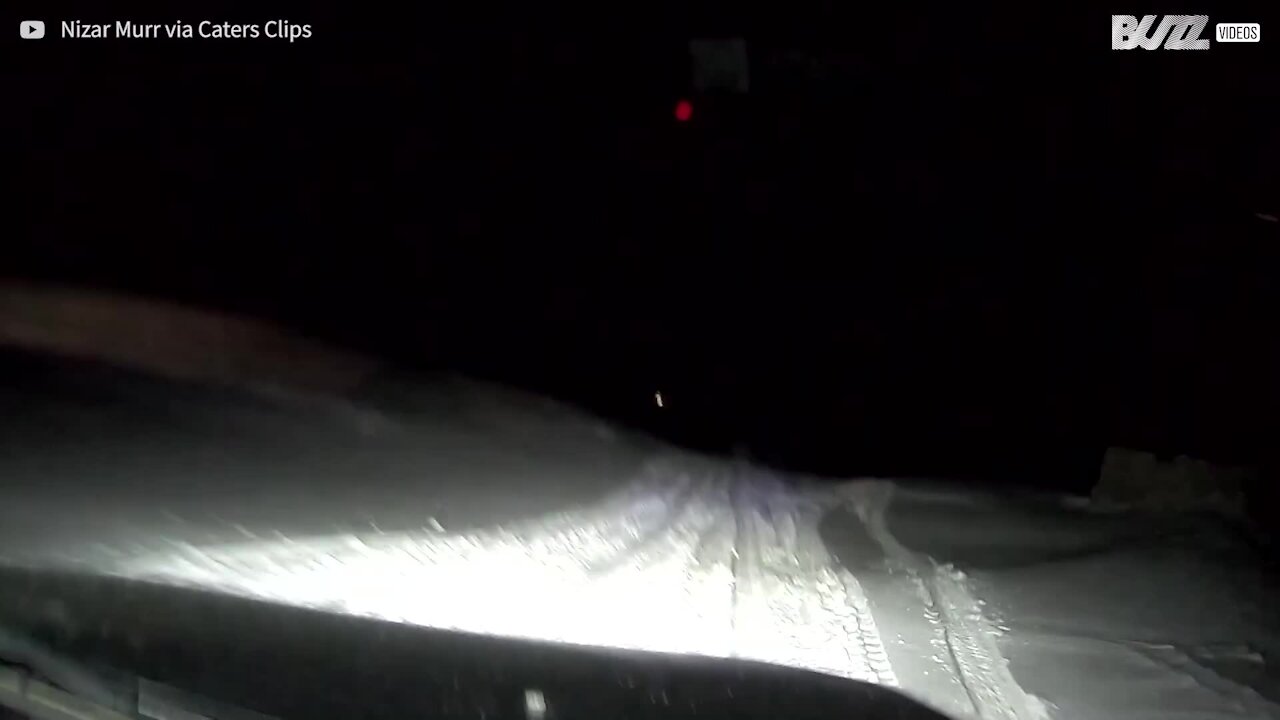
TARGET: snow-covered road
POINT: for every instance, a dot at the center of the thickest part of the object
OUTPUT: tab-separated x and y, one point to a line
694	556
728	560
1102	614
723	563
471	508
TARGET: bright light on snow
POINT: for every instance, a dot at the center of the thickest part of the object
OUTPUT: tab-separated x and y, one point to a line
663	566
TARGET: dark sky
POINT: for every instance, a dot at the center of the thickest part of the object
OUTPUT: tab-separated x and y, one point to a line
966	241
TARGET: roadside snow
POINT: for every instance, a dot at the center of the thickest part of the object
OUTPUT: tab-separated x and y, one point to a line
966	653
1106	615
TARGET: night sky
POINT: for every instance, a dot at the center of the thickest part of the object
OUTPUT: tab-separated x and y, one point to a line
970	242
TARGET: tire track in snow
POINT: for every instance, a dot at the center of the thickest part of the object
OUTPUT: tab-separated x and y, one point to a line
974	657
794	594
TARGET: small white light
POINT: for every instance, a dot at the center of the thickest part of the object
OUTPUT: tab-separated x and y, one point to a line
535	705
657	397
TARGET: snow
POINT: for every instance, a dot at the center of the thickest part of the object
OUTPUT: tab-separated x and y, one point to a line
1105	614
462	505
691	558
114	464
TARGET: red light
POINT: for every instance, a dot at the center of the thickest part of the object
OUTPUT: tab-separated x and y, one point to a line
684	110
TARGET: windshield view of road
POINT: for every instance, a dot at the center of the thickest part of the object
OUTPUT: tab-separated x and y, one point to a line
742	360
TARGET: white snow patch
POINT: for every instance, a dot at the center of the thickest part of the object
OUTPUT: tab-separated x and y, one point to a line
1104	615
725	565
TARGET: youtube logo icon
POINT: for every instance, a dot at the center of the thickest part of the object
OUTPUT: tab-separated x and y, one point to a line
31	29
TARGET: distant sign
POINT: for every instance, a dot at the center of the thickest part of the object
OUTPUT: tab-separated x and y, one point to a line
720	64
